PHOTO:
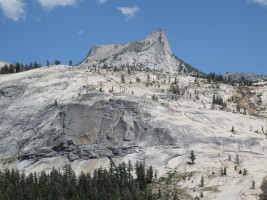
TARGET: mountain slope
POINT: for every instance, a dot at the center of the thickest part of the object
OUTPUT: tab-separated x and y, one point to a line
61	114
151	53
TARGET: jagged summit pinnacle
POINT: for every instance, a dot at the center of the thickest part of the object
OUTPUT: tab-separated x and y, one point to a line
161	37
153	53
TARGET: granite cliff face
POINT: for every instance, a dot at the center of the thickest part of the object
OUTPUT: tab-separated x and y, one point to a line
87	117
56	111
151	53
60	111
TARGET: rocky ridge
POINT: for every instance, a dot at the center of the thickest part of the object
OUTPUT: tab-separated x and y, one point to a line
238	76
151	53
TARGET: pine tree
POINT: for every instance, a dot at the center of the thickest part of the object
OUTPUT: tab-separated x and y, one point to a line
122	78
192	157
232	130
221	172
253	184
224	171
140	173
18	67
202	181
175	196
159	194
129	170
149	174
57	62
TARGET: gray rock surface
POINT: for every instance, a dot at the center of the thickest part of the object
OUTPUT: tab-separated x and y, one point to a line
58	111
2	64
151	53
61	114
237	76
36	122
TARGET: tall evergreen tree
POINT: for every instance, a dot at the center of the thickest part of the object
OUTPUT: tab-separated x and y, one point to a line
192	157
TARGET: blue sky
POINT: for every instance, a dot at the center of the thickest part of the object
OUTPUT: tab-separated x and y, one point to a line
211	35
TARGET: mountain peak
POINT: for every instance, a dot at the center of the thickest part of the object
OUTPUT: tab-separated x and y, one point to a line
156	34
153	53
159	36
